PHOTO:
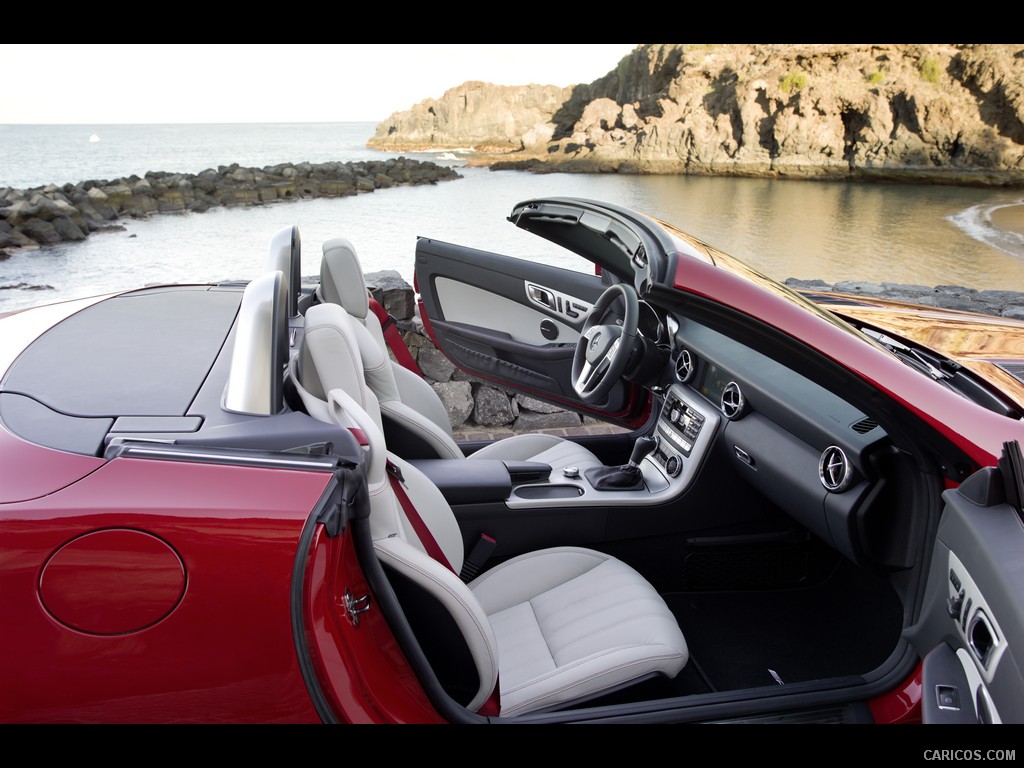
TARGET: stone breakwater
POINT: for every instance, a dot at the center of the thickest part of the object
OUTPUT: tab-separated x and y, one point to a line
999	303
479	410
41	216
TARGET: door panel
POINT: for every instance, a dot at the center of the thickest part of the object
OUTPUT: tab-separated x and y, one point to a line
972	628
468	304
514	322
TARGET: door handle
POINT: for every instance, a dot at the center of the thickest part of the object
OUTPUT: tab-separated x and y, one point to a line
745	457
541	296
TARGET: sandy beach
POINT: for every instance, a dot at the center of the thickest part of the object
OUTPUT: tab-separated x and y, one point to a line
1009	218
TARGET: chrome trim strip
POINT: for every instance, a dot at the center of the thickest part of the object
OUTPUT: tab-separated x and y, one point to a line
268	460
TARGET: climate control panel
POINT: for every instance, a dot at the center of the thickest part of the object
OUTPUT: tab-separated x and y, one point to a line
681	434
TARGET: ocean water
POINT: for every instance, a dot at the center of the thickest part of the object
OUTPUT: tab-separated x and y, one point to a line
833	231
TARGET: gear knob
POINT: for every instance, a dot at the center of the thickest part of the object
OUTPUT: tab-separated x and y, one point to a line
641	448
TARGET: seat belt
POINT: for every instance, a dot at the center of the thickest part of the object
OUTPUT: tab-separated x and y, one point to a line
393	338
422	531
492	706
473	562
477	557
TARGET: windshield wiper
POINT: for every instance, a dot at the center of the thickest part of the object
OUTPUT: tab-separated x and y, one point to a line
948	373
911	356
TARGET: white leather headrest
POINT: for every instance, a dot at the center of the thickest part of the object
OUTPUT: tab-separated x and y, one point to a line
332	345
341	278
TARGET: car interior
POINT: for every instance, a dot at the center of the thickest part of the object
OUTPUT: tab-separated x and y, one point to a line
765	545
769	513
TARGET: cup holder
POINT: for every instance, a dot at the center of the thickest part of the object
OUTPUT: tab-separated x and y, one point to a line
566	491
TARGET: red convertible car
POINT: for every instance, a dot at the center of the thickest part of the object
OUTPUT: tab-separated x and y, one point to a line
230	503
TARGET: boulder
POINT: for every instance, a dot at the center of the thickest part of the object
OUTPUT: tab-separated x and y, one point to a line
434	365
457	398
493	407
393	292
533	422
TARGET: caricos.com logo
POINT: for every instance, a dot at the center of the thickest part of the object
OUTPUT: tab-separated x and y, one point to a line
958	755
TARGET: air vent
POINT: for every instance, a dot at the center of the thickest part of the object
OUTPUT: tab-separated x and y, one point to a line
864	426
834	469
685	366
733	402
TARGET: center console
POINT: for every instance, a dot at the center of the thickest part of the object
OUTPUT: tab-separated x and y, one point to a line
685	430
683	434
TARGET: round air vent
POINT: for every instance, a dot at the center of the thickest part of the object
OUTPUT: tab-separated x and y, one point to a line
834	469
685	366
733	402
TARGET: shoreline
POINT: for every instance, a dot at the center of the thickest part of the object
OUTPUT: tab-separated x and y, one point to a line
43	216
1010	218
509	158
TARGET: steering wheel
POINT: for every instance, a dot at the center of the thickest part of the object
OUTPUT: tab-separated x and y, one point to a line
604	347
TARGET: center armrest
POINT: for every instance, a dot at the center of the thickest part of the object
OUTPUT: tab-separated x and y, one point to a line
471	481
465	481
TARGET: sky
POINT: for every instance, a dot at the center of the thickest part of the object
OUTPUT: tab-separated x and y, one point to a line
239	83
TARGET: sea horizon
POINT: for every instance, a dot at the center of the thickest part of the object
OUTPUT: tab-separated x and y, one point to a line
80	152
805	229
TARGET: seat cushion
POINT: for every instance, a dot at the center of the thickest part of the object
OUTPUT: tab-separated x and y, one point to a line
572	622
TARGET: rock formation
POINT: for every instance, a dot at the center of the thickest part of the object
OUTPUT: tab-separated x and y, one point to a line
924	113
53	214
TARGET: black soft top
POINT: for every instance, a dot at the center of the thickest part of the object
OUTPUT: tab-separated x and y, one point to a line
149	365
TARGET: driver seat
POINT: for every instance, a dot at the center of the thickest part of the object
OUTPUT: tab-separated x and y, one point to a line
413	415
542	630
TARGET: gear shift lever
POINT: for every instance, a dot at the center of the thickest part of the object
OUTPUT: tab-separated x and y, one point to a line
626	477
643	446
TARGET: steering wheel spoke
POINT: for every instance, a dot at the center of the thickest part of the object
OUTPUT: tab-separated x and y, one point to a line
593	374
585	382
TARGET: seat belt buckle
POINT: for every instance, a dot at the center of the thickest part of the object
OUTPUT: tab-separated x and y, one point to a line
477	557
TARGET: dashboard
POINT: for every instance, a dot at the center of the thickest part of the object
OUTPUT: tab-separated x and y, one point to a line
807	449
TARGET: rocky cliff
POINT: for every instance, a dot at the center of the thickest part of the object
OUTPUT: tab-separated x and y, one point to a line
930	113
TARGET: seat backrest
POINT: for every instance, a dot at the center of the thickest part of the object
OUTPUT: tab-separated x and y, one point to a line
342	280
336	346
333	343
414	415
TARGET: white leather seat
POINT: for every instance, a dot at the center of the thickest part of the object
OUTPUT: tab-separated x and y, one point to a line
545	628
410	402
